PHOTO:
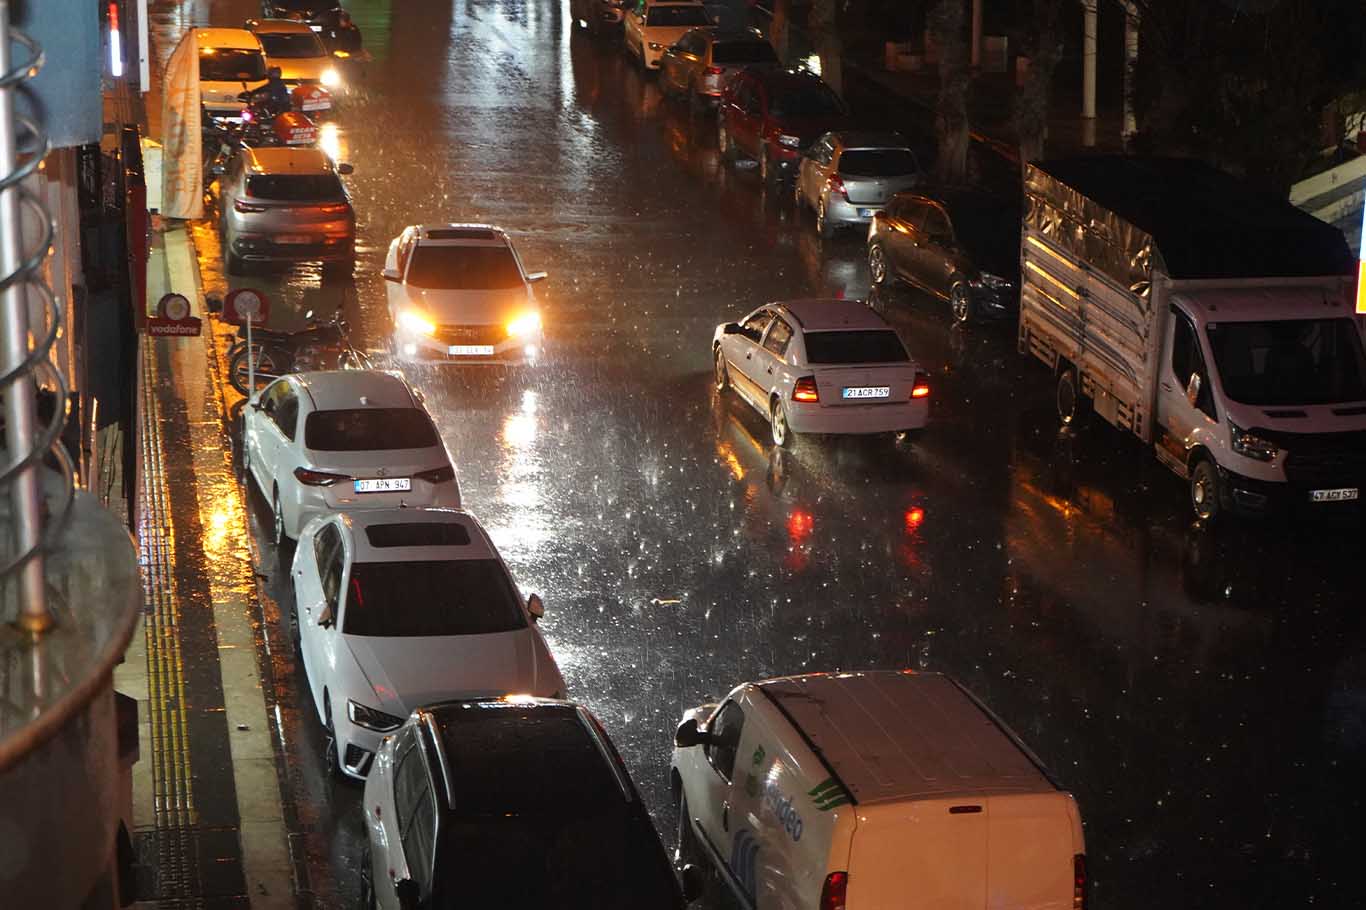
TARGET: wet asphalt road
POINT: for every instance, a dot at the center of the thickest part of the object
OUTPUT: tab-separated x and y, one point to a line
1201	692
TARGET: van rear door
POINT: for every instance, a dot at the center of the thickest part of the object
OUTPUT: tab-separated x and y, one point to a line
1032	839
920	854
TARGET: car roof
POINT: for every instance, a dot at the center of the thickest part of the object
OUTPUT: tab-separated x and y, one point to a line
279	27
287	160
384	535
335	390
893	735
461	234
865	139
825	314
227	38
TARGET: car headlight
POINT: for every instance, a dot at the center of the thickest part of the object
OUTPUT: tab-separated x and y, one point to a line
415	322
330	78
994	282
791	142
1250	446
370	718
656	46
525	324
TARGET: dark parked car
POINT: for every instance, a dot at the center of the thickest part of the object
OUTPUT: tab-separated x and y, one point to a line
514	802
961	245
326	17
771	115
703	61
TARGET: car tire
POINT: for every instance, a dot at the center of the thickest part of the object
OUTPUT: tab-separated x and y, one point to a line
695	106
331	753
961	304
798	198
878	272
778	426
721	373
1206	490
278	534
367	878
724	145
1069	399
232	263
768	171
824	226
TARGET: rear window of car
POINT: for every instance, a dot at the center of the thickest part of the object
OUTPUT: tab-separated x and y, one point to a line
229	64
814	100
874	346
878	163
293	46
676	16
469	268
743	52
369	429
296	187
431	598
418	534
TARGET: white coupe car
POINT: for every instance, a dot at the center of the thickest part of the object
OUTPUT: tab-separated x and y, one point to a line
400	608
822	366
342	440
652	28
458	294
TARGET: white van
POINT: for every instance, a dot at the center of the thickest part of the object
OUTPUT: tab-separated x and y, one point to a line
872	791
231	61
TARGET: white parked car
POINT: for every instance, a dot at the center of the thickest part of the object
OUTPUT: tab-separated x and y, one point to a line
821	366
401	608
458	294
866	791
341	440
652	28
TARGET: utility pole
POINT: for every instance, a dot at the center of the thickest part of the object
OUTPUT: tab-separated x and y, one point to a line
1088	71
1131	23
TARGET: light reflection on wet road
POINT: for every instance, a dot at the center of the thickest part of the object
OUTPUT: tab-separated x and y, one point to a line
1202	694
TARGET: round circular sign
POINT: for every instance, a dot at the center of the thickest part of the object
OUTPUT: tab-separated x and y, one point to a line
248	304
173	306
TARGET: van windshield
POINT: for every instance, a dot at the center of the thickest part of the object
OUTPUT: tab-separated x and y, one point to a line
1293	361
228	64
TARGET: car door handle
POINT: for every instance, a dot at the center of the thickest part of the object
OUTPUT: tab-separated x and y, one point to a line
749	355
770	371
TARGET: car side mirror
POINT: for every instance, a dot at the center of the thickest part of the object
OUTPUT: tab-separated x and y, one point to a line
1193	389
405	889
325	616
345	168
535	607
392	275
213	303
689	734
730	328
534	277
694	882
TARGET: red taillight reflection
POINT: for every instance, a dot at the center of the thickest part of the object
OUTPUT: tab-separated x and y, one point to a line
805	390
915	516
247	207
713	71
799	525
317	478
832	892
1079	882
836	184
921	388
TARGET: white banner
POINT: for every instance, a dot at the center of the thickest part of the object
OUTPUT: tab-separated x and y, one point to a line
182	161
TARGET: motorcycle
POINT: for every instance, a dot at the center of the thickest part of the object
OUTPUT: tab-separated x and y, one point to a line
318	347
261	125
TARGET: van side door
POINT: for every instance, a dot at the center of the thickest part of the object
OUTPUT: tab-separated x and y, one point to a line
713	814
1178	417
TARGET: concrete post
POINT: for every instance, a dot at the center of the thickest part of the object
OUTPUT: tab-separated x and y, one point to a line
976	34
1130	125
1088	60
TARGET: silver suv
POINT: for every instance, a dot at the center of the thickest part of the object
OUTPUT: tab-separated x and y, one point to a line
286	205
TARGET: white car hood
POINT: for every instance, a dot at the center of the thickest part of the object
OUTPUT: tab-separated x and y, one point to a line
665	34
406	673
470	307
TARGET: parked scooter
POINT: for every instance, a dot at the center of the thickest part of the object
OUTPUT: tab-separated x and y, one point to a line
323	346
262	125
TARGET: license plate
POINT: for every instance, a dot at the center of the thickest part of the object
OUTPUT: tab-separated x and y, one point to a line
868	391
866	213
1343	494
316	28
293	238
384	485
470	350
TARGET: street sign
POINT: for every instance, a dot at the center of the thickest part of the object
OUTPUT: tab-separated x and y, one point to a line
173	317
246	305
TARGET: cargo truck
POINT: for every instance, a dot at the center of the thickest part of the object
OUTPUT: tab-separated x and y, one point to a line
1213	322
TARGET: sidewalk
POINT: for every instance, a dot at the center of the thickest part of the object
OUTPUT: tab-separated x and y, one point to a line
208	820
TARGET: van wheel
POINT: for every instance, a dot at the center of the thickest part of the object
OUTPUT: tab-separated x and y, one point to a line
687	852
1069	398
1207	492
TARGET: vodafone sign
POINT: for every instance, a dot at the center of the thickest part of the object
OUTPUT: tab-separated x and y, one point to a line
173	317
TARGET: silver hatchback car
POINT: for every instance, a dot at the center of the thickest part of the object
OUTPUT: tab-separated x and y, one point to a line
846	177
286	205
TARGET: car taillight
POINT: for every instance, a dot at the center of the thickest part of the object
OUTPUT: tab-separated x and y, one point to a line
336	208
1079	882
241	206
437	475
836	184
714	70
317	478
921	388
832	892
805	390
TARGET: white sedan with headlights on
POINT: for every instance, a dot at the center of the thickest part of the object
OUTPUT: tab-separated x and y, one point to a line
400	608
822	366
342	440
297	51
458	295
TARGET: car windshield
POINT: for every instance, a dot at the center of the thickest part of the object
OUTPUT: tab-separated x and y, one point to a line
293	46
676	16
878	163
874	346
369	430
1285	362
227	64
728	52
470	268
431	599
296	187
815	100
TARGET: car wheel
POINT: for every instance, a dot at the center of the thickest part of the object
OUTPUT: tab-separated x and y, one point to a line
824	226
367	879
232	263
960	303
695	106
331	754
1206	490
877	265
722	374
723	143
798	199
768	171
1069	398
279	536
782	433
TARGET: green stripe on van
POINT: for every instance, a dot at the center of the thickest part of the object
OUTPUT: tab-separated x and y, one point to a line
828	784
